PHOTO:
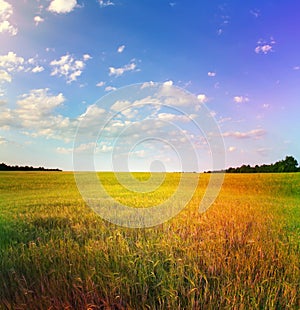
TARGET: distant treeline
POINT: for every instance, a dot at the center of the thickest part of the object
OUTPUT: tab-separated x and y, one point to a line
4	167
289	164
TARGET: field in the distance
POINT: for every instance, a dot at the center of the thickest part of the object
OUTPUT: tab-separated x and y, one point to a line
243	253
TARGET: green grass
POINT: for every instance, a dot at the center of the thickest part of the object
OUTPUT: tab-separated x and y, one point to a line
243	253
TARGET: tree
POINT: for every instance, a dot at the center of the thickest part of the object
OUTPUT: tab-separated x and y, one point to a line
290	164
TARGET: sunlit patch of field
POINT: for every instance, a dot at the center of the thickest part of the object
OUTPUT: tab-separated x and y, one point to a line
243	253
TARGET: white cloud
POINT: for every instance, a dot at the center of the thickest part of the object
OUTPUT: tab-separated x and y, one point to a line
126	109
121	49
3	140
266	106
38	69
138	153
106	3
62	6
255	133
110	88
11	62
6	118
169	117
31	61
133	124
255	13
223	19
168	83
5	26
240	99
130	113
104	148
68	67
264	47
92	114
38	103
211	74
264	151
120	105
63	150
38	19
219	31
224	120
35	116
6	10
8	64
120	71
86	57
4	76
202	98
231	149
147	84
82	148
213	113
86	148
173	96
100	84
50	49
296	68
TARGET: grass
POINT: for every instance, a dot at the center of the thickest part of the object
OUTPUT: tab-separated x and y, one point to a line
243	253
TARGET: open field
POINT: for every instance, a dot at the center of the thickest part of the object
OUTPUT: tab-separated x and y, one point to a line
243	253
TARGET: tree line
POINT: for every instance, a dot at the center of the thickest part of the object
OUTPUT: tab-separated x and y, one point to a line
4	167
289	164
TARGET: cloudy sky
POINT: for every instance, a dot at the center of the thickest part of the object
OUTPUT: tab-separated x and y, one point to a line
241	59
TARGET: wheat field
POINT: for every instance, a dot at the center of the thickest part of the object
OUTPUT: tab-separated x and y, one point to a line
243	253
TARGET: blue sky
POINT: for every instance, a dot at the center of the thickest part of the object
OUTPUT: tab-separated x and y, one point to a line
58	58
